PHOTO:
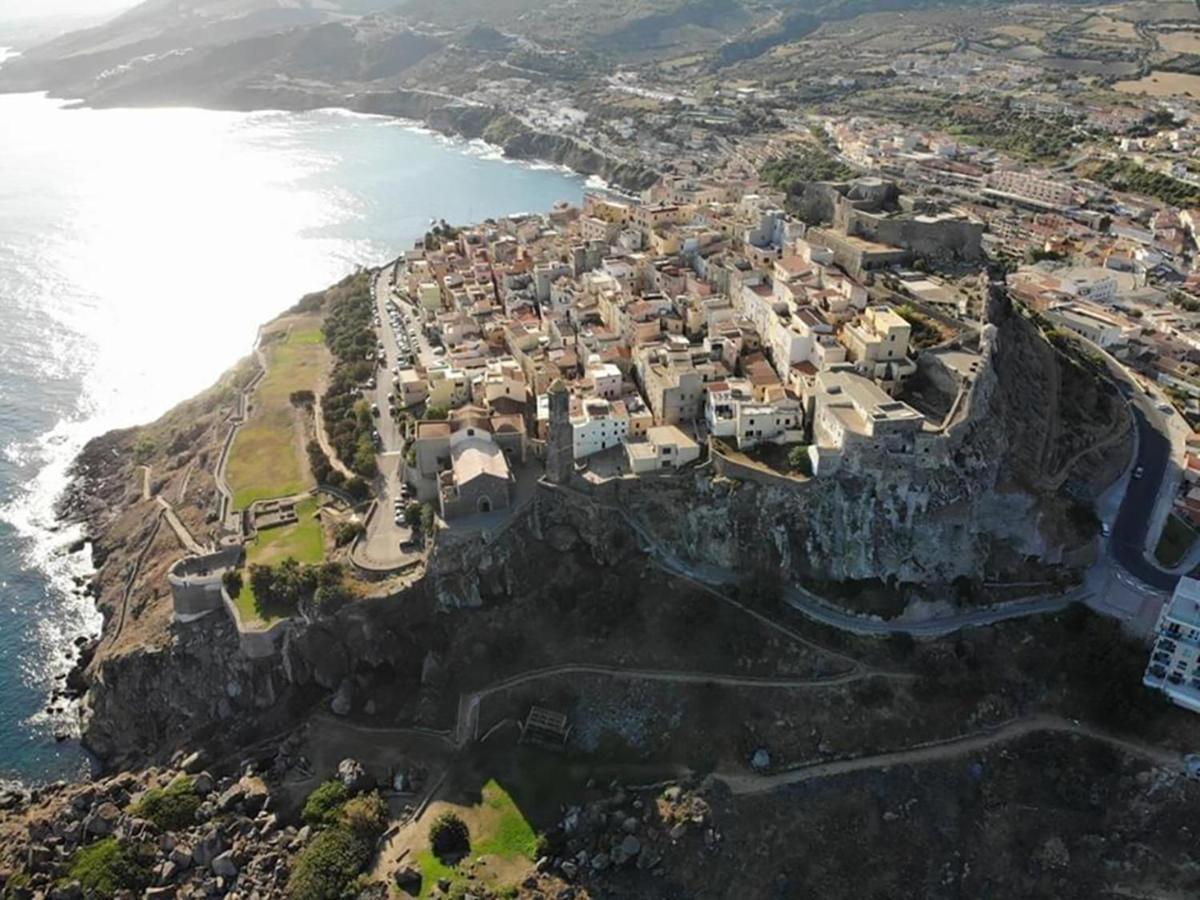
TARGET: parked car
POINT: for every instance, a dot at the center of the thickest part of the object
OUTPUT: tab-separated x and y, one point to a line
375	409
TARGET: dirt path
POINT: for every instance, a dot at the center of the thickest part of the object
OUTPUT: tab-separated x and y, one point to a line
466	727
748	783
323	440
181	531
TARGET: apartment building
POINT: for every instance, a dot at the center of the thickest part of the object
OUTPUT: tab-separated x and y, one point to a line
1174	665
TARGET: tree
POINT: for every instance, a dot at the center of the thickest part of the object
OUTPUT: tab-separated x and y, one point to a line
412	515
449	836
436	412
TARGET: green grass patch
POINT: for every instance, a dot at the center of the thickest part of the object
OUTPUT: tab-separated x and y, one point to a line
512	835
1176	540
303	542
266	459
498	829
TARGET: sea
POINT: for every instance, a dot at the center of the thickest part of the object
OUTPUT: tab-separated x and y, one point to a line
139	251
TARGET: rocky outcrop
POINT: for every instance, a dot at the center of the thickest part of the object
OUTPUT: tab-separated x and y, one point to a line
144	703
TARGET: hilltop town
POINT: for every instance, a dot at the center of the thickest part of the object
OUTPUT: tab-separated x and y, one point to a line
823	486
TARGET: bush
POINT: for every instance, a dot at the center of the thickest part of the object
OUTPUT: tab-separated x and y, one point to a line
233	582
108	866
449	836
324	804
799	460
329	864
436	413
172	807
366	815
347	532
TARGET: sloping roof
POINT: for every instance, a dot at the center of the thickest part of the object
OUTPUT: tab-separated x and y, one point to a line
474	455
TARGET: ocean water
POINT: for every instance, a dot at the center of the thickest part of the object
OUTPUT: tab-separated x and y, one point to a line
139	251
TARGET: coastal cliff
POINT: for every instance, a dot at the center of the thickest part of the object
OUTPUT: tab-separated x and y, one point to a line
987	510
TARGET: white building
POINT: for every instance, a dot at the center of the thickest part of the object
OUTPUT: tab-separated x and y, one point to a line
599	424
1173	667
605	378
665	447
734	415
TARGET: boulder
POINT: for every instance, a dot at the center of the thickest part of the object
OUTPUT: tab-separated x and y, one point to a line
626	851
224	866
408	879
343	700
203	783
351	773
193	763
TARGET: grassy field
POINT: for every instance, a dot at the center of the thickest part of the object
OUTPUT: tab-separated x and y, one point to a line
1176	540
1162	84
499	832
267	459
303	541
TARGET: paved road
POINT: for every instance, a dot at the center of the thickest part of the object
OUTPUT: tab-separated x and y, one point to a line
748	783
389	433
1137	509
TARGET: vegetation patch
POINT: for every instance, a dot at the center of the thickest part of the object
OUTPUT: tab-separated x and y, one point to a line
303	542
331	863
803	167
108	867
281	591
265	460
495	828
169	808
1125	175
324	804
1176	540
350	336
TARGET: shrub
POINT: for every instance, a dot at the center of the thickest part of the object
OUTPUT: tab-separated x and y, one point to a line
366	815
436	413
172	807
449	836
347	532
799	460
108	866
324	804
233	582
329	864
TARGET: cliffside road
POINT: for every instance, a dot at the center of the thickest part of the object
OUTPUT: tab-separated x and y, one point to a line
1143	498
748	783
816	609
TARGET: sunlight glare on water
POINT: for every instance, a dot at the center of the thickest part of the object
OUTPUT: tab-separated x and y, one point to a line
139	251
